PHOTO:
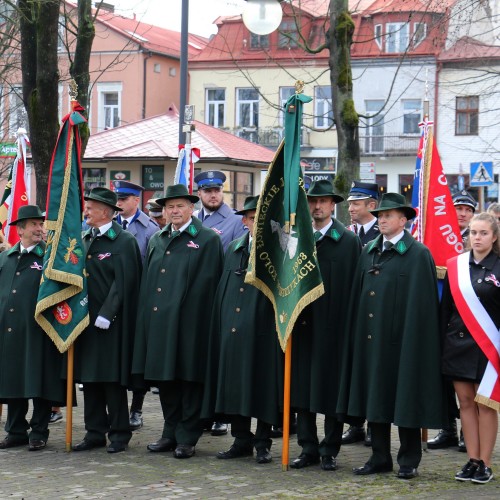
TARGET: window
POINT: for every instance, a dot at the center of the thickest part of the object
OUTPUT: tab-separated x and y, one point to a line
323	111
419	33
216	107
17	113
285	93
109	98
93	177
240	186
467	115
412	116
61	34
374	137
378	35
157	68
288	35
247	107
259	41
397	37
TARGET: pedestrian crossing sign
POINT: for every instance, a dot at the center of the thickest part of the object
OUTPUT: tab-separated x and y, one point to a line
481	173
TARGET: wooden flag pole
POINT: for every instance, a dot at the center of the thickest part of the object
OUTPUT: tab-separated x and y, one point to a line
69	399
285	452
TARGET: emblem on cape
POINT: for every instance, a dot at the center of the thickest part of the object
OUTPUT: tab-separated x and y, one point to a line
218	231
36	266
288	242
493	279
62	313
283	317
192	244
73	254
103	256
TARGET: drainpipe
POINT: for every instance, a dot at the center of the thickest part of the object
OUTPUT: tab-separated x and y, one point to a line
436	96
144	79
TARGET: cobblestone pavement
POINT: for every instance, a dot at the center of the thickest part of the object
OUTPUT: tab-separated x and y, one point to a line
139	474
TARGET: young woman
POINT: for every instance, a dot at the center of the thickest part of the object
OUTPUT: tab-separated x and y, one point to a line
470	318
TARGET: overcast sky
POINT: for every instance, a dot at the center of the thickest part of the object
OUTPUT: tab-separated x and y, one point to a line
167	13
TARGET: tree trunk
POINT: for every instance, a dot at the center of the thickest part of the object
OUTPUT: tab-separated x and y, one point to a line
79	68
39	35
346	119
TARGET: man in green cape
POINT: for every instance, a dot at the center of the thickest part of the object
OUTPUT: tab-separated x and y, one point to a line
181	271
103	352
242	377
319	335
391	372
30	364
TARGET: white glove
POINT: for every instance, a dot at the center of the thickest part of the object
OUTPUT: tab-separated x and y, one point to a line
102	322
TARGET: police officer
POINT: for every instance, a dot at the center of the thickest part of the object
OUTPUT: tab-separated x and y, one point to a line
362	198
136	222
31	364
214	213
465	205
218	216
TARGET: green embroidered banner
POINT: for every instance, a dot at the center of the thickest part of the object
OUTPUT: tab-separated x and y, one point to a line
62	308
283	263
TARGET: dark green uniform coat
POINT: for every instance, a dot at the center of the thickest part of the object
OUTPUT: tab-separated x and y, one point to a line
242	374
392	367
113	266
177	291
319	336
30	364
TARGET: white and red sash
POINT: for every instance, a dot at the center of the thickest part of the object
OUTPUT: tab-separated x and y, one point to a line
480	325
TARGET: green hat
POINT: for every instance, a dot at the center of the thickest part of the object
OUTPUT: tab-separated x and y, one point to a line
177	191
391	201
104	195
250	204
323	188
28	212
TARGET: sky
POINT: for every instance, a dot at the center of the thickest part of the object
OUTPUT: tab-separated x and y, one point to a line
167	13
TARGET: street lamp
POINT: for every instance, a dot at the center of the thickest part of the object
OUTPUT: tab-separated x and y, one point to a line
262	16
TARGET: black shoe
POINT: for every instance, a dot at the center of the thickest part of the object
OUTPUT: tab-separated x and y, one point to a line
12	443
353	435
55	416
368	437
304	460
135	420
468	471
235	452
483	474
219	429
184	451
461	443
368	469
407	472
116	447
443	439
328	462
163	444
36	444
86	445
263	456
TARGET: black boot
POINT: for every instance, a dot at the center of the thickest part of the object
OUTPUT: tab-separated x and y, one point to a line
444	438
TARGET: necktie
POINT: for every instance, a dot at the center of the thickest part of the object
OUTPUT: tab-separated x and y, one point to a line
206	216
317	235
388	245
125	224
175	233
24	251
95	232
361	232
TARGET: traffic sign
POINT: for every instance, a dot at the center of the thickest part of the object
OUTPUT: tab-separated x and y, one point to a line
481	173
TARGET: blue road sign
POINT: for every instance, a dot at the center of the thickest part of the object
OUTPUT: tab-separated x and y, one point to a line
481	173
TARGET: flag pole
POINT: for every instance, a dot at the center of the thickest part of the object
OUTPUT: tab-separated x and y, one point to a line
285	452
69	399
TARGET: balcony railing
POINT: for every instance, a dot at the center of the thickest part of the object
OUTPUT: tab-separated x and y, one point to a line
269	136
389	145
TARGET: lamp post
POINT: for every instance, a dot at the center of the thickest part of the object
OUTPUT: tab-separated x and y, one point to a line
262	16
